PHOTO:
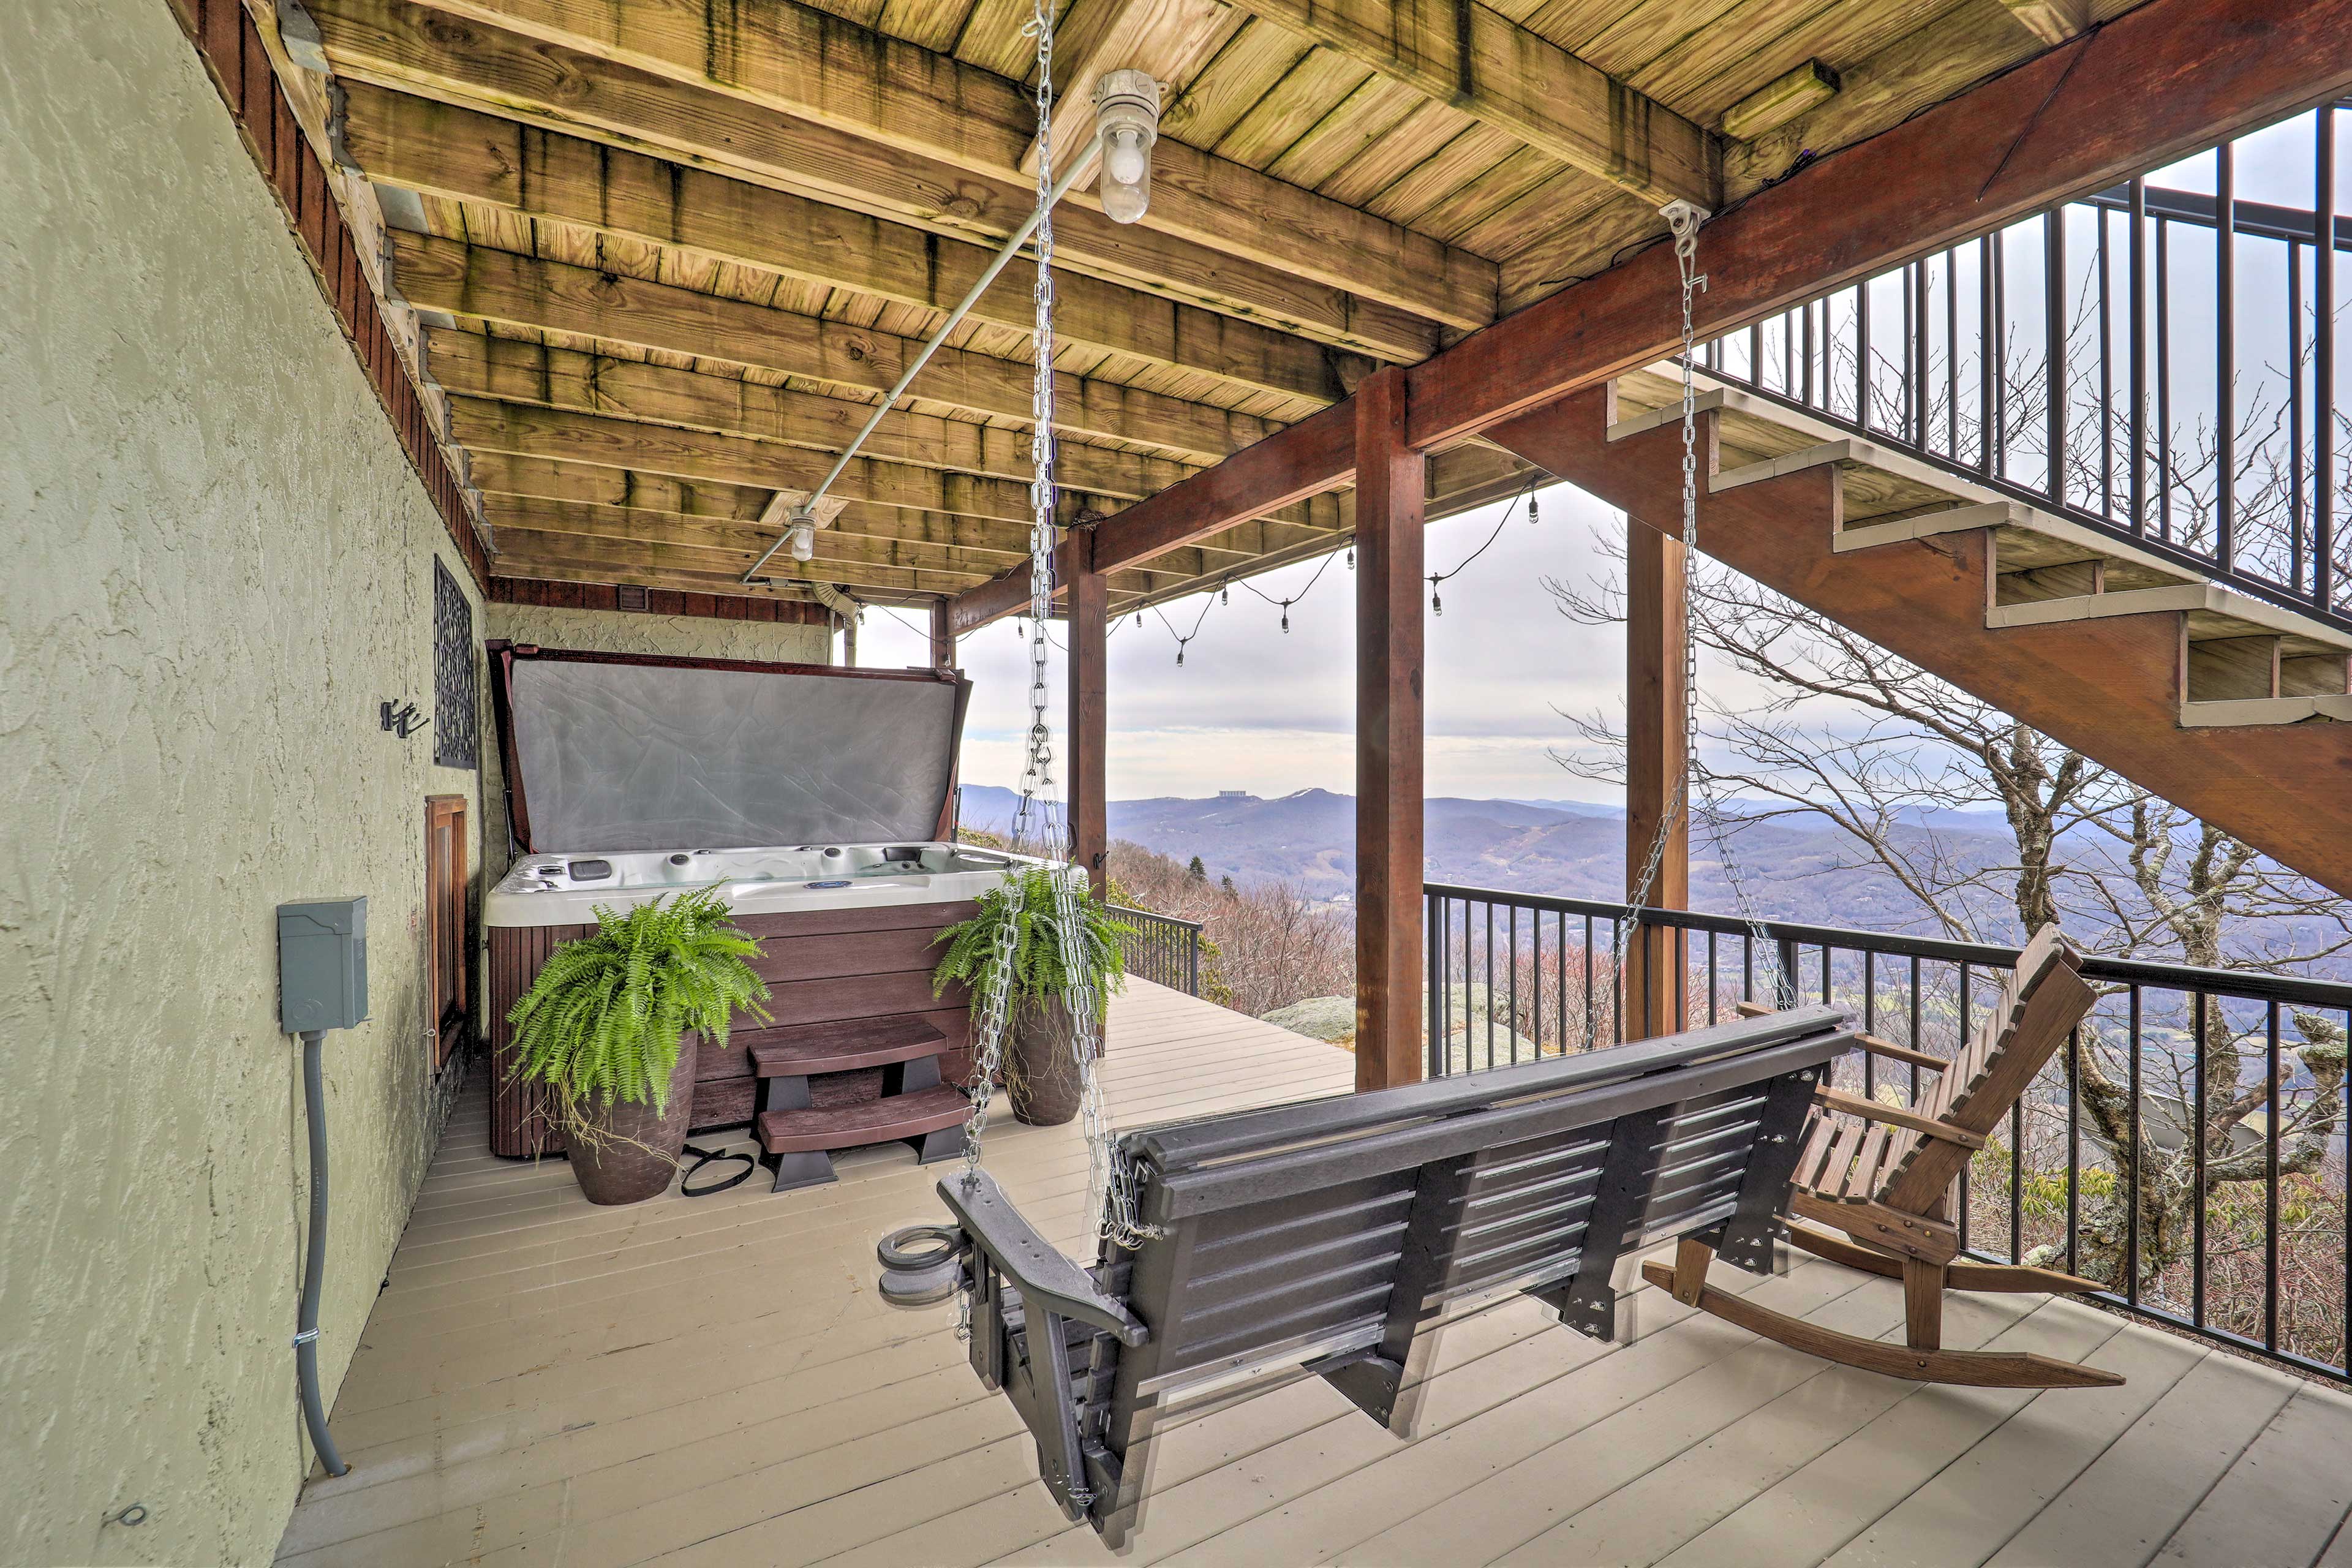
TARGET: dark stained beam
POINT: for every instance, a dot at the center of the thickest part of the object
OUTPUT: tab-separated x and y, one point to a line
1657	763
1389	724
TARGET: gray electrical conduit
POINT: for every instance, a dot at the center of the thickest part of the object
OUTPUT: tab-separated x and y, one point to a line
306	1341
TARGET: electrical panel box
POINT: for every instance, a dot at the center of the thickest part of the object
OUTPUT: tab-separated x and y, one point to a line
321	964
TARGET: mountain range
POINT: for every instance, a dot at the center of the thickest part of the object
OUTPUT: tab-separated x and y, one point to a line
1793	869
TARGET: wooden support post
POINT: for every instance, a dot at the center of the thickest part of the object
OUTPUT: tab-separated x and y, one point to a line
1089	627
943	637
1655	760
1389	475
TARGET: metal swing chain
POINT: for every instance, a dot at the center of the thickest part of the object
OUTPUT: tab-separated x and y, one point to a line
1110	1185
1684	220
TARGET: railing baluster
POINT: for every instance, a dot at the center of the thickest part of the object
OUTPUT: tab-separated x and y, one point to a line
2323	379
2139	356
2271	1179
2055	318
2225	359
2163	380
2197	1125
2132	1187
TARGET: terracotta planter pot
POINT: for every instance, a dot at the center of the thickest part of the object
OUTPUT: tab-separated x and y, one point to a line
1041	1075
636	1155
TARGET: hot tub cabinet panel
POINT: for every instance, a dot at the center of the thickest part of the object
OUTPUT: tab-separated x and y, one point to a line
822	966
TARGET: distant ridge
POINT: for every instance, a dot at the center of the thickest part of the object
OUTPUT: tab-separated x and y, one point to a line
1796	868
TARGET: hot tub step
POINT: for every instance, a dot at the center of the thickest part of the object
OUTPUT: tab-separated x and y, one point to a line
810	1049
930	1119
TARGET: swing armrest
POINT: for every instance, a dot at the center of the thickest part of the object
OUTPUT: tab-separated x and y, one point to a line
1046	1279
1871	1044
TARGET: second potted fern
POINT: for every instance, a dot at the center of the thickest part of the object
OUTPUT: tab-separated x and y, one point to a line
612	1028
1041	1064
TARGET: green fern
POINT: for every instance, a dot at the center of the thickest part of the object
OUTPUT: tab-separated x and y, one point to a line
601	1024
1025	901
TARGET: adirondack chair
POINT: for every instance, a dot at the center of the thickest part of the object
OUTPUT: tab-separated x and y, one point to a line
1882	1179
1328	1238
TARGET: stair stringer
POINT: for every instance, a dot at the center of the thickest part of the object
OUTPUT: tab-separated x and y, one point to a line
2107	687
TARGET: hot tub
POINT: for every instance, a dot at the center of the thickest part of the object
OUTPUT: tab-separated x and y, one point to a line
565	890
819	802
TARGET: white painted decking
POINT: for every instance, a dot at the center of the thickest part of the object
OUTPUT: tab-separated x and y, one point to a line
716	1382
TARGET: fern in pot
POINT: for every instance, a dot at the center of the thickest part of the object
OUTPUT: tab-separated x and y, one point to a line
612	1028
1041	1066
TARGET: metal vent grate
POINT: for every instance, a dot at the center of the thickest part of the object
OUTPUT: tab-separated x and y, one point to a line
631	596
457	742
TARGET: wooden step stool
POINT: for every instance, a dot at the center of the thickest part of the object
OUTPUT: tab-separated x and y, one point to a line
915	1106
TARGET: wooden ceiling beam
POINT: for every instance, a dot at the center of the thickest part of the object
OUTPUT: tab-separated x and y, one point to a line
970	544
469	364
1481	62
899	132
835	554
525	553
438	149
487	284
481	424
530	490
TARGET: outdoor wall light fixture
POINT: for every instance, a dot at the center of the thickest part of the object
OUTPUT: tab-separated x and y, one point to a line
802	534
1127	115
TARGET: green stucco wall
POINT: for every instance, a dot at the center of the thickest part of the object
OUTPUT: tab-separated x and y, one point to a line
214	562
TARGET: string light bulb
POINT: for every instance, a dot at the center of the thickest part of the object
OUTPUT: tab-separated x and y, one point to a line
1224	595
1437	605
1286	616
1531	509
1352	558
1180	656
1127	108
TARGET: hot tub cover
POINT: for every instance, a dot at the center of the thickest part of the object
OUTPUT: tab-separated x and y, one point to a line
626	751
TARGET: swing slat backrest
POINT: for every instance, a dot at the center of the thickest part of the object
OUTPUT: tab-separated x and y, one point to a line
1326	1236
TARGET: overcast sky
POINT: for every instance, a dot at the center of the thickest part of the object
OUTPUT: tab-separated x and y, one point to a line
1256	709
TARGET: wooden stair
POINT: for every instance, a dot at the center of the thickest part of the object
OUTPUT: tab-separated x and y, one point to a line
2230	706
914	1106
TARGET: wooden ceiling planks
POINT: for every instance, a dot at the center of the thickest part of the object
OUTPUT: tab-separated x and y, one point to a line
687	246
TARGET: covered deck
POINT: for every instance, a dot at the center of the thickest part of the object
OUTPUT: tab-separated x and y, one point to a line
536	1384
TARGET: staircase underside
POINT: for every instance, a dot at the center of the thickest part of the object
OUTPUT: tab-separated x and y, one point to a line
2230	707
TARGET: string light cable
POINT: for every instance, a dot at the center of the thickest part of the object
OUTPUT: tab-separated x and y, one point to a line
1527	494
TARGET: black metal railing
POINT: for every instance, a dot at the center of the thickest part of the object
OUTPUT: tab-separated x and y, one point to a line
1163	950
2156	361
2237	1235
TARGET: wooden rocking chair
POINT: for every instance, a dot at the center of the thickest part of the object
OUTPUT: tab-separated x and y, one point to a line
1885	1176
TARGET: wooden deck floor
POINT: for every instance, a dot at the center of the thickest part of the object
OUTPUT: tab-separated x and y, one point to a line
716	1382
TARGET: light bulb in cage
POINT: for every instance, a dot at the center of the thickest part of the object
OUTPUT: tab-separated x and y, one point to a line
1127	111
800	533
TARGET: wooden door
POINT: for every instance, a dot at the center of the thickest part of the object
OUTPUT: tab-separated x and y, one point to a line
446	950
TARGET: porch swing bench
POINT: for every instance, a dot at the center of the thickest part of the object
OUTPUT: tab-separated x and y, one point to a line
1326	1238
